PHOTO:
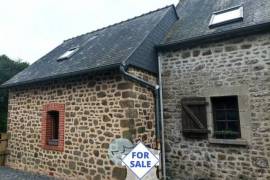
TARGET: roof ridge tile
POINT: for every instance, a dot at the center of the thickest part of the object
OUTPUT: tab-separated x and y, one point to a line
121	22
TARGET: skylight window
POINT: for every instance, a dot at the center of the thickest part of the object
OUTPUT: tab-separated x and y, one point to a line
68	53
226	16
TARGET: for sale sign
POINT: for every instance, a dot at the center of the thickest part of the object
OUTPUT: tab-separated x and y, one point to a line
140	160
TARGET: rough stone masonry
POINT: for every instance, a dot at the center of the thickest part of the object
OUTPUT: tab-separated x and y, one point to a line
99	107
237	66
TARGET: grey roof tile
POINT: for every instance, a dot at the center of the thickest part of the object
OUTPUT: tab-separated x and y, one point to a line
195	15
123	42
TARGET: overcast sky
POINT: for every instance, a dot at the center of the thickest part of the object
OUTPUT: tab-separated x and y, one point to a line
31	28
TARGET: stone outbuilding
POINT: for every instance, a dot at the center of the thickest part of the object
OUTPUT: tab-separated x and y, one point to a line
216	90
67	107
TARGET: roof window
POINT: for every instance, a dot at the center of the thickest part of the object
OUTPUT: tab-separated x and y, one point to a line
68	53
226	16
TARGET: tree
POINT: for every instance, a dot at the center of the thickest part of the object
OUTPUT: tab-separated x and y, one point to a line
8	68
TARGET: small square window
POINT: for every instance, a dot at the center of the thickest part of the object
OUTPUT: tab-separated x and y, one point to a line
226	16
226	117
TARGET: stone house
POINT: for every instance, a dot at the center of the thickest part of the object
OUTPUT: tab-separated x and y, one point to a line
216	90
67	107
210	117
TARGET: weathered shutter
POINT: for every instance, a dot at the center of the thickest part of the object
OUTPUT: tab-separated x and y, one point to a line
194	120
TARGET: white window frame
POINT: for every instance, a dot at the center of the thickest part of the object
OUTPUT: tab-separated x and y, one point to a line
229	20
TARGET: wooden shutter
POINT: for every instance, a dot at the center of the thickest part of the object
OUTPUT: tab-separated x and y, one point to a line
194	120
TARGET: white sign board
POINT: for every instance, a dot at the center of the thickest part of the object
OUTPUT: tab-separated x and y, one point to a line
140	160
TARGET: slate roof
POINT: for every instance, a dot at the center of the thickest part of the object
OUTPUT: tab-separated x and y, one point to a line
131	42
195	15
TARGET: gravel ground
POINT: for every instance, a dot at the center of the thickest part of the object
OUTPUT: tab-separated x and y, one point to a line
10	174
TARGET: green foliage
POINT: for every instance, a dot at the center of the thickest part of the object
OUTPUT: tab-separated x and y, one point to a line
8	68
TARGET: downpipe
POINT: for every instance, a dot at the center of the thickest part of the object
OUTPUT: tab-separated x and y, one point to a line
157	92
162	138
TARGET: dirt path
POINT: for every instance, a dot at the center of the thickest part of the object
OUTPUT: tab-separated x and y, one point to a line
10	174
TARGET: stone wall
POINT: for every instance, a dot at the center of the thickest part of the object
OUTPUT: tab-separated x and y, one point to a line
98	109
240	65
145	122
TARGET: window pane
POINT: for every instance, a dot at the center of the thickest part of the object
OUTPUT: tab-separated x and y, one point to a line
68	53
219	105
233	126
220	126
53	129
232	115
231	104
227	16
220	115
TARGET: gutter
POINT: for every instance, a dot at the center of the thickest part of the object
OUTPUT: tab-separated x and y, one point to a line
60	76
158	110
123	69
217	36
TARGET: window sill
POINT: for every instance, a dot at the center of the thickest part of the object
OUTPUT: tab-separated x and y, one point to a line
53	142
53	148
237	142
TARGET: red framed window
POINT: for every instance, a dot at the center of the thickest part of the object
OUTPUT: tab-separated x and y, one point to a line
52	127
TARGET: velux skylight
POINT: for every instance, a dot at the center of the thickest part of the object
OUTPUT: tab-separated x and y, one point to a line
73	50
226	16
68	53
